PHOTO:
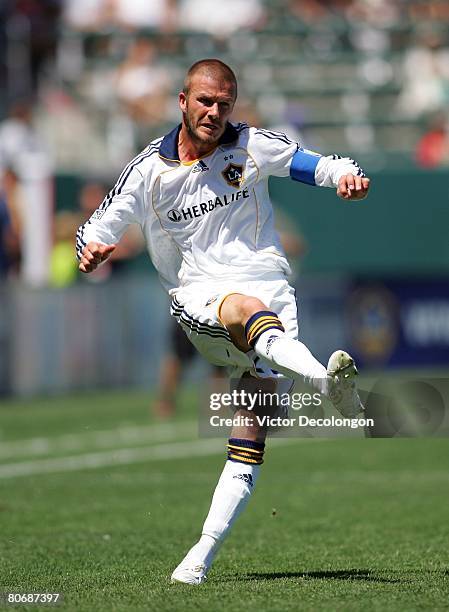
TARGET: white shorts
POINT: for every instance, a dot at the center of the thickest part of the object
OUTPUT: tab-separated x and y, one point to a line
197	309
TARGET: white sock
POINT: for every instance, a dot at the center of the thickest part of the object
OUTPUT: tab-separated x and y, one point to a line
292	358
231	495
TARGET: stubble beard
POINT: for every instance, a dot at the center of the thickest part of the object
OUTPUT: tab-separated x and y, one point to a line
197	137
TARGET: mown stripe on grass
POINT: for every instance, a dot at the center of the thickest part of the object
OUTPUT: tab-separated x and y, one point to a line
109	438
125	456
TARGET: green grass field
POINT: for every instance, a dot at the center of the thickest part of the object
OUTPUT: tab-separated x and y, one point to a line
100	503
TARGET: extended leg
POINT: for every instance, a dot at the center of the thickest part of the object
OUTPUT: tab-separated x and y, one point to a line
237	481
252	325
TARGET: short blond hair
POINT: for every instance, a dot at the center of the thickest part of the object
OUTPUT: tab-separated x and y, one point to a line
211	67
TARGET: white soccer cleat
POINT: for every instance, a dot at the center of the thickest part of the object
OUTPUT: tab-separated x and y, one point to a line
189	573
342	391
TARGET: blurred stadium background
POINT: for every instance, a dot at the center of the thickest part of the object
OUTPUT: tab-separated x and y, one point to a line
97	500
86	84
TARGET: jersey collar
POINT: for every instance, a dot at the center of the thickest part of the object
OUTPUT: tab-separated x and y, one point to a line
169	145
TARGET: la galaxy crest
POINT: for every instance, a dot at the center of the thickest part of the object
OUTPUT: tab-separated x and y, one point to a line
233	175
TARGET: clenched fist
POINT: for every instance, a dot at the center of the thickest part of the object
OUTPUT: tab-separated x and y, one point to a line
351	187
93	255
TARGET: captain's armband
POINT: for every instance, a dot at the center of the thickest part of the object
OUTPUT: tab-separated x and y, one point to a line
304	163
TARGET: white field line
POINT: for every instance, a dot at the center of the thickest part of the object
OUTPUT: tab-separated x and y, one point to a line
98	439
126	456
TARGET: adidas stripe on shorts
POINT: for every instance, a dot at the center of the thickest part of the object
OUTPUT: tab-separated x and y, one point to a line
196	309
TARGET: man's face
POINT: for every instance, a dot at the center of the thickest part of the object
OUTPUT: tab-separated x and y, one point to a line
207	107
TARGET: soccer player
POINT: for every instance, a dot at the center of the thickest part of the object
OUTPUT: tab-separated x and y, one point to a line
200	194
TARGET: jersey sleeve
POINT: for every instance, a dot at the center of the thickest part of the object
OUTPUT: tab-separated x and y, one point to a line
325	171
331	168
123	206
278	155
272	151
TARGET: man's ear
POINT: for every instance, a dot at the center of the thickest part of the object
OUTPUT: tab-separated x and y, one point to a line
182	99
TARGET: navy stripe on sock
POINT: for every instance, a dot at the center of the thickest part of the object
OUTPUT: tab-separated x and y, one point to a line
260	446
259	323
245	451
254	317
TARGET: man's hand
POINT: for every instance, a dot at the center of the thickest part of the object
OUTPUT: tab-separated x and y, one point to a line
352	187
93	255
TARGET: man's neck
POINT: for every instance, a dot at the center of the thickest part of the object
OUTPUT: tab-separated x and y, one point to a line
189	150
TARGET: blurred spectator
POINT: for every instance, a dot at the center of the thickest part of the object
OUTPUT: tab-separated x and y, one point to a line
245	110
158	15
32	30
9	225
17	134
87	15
63	265
142	84
428	10
432	149
22	149
116	108
379	13
222	19
309	11
426	74
10	243
3	55
5	229
70	130
180	355
9	252
91	196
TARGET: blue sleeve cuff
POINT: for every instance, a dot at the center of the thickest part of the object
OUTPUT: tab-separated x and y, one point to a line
303	166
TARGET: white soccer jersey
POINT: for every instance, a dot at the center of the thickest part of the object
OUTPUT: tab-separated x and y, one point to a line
209	220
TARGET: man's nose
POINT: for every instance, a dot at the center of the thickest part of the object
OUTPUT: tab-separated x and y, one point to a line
214	110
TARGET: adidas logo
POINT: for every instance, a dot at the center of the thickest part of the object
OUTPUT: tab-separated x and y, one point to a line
270	341
200	167
246	477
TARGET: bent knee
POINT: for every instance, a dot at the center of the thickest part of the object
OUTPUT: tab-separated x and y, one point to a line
238	308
